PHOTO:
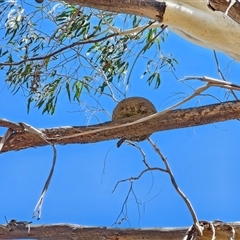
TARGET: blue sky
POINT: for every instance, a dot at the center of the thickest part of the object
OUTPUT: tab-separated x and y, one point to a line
204	159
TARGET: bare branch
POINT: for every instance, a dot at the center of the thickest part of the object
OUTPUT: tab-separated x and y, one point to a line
185	199
213	82
141	151
35	132
171	119
38	208
131	179
77	232
221	74
124	205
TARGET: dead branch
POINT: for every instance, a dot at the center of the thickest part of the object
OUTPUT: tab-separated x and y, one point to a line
198	228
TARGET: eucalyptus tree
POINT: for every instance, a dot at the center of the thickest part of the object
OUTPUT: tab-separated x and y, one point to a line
91	48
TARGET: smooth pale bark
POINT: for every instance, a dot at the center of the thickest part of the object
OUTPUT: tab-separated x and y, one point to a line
195	20
147	8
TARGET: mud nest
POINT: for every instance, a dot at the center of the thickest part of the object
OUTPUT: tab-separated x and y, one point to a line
132	109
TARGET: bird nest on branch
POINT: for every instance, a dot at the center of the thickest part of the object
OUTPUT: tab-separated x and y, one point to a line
132	109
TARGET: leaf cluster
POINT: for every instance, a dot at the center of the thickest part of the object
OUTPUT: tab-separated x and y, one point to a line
57	49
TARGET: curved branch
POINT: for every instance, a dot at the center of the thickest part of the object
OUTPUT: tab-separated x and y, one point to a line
175	185
59	50
101	132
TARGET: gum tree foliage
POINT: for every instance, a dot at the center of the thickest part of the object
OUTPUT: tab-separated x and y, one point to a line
54	48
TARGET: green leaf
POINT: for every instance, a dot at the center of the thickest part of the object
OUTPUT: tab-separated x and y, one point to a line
68	90
155	76
77	86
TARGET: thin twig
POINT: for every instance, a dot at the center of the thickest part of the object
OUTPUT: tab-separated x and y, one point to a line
139	176
218	66
221	74
104	163
66	26
141	51
140	150
188	203
38	209
133	144
30	129
132	179
124	205
213	82
59	50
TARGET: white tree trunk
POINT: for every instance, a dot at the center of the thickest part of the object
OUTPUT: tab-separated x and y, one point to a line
193	20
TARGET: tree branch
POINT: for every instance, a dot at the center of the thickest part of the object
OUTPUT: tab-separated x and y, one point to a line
214	31
148	8
154	9
73	232
77	232
101	132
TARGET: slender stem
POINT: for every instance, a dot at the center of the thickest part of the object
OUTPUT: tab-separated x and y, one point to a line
189	205
26	127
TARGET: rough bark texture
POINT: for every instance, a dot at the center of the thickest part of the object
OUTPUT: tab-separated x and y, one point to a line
76	232
21	139
148	8
221	5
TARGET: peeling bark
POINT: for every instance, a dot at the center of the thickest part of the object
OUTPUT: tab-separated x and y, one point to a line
221	5
215	31
151	8
21	139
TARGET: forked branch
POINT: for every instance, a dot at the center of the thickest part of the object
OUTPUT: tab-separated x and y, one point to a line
198	228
